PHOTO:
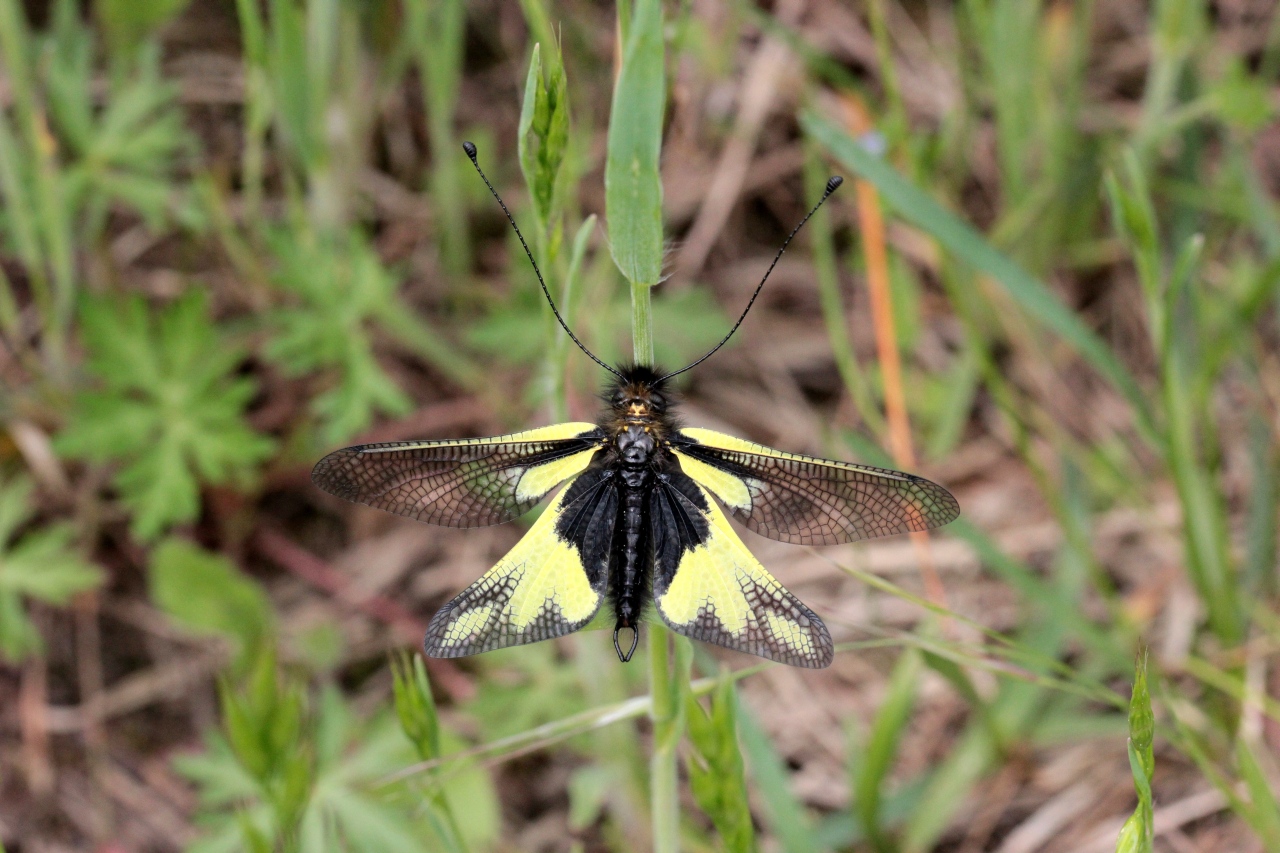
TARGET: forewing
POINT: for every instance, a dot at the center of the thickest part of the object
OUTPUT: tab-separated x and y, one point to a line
806	500
708	586
550	584
467	483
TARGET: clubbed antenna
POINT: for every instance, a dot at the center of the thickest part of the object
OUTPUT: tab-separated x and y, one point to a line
833	183
470	148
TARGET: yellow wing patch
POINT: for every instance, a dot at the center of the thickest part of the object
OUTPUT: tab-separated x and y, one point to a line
540	479
721	594
792	633
733	491
537	591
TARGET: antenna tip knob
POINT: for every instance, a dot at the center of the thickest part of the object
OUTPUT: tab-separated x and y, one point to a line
833	183
470	148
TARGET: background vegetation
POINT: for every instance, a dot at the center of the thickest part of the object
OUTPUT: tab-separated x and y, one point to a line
236	235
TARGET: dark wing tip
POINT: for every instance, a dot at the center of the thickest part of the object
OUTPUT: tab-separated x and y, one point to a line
433	643
333	473
824	649
939	505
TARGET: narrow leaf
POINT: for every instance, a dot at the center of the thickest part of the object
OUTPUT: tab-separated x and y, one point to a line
632	181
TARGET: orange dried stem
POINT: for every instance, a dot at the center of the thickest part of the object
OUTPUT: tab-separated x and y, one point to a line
875	248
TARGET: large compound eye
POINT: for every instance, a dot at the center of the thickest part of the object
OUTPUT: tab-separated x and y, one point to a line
658	401
619	397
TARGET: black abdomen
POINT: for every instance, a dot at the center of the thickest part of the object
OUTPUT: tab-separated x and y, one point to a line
632	557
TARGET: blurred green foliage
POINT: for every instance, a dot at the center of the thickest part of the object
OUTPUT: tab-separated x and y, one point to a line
167	404
344	295
717	778
65	161
296	771
40	565
205	593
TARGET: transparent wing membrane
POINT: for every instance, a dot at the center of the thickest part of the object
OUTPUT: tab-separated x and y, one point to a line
809	501
466	483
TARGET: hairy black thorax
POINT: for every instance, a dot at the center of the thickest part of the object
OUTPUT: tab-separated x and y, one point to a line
638	415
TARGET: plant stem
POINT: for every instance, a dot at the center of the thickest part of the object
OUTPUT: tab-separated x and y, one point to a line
664	800
641	324
664	683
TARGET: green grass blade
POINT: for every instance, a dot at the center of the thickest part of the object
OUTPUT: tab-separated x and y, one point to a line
438	32
822	239
960	238
540	737
1260	536
1264	807
882	747
964	765
784	815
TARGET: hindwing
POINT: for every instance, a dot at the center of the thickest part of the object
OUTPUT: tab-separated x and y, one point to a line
469	483
550	584
809	501
708	586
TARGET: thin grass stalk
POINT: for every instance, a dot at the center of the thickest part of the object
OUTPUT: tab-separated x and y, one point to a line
548	734
877	17
10	317
1176	27
48	251
664	797
440	63
560	348
257	105
641	323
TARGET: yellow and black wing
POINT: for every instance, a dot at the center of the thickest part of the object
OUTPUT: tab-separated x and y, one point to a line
466	483
708	586
806	500
550	584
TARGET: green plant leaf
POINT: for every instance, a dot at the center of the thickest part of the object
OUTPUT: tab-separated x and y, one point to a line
128	151
784	815
1243	99
295	771
632	180
415	706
